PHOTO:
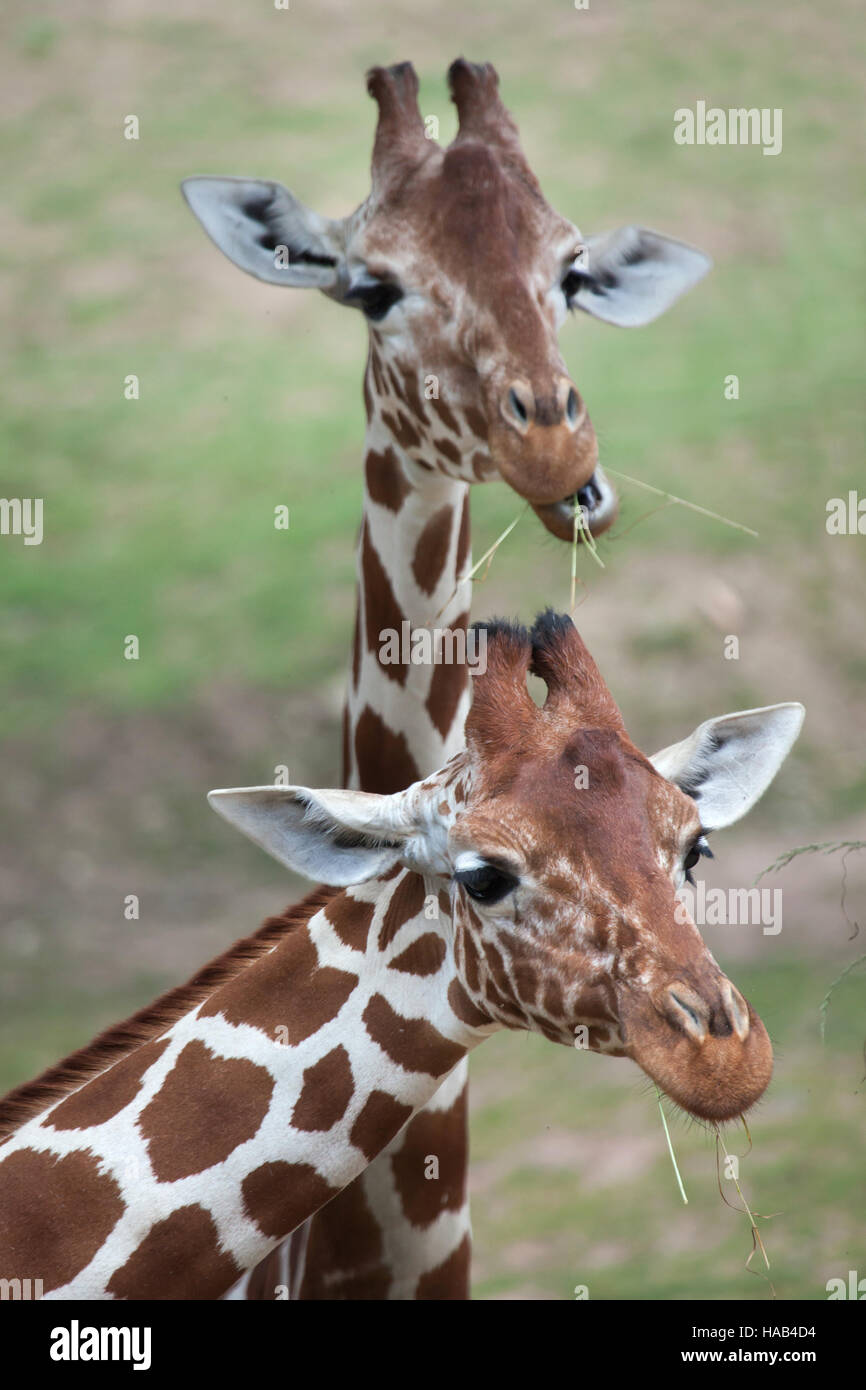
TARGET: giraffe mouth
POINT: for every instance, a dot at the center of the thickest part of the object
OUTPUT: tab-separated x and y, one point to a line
598	501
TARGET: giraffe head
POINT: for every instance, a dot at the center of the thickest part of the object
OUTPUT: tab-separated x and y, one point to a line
561	848
465	275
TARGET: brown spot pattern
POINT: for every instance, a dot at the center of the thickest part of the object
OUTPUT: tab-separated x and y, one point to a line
423	957
108	1094
464	1008
386	481
279	1196
450	1280
476	421
408	436
445	415
288	989
471	963
381	609
402	429
38	1195
553	1002
344	1254
481	465
356	645
206	1107
434	1133
412	394
180	1258
447	685
412	1043
407	900
378	379
431	551
378	1122
383	758
395	383
351	920
496	967
525	981
328	1087
121	1040
447	450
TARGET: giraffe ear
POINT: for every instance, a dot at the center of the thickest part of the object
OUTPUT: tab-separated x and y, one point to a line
633	275
266	231
729	762
336	837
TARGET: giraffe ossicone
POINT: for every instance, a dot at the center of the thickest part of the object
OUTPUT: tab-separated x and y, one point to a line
238	1107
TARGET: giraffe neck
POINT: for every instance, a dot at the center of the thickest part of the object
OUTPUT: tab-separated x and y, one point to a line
405	713
251	1111
402	720
393	1233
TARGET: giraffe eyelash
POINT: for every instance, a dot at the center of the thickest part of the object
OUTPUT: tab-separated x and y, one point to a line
700	850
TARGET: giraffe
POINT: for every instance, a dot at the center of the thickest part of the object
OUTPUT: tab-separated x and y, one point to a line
182	1147
465	275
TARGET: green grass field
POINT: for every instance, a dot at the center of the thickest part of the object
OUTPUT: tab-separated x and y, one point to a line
158	522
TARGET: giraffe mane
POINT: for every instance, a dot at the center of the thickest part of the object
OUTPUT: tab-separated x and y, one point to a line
121	1039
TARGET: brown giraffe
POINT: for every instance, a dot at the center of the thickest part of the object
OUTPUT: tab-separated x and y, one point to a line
465	275
182	1147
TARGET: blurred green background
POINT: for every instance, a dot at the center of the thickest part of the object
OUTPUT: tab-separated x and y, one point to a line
159	522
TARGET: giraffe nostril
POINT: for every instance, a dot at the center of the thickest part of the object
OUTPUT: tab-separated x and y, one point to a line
736	1010
686	1011
517	405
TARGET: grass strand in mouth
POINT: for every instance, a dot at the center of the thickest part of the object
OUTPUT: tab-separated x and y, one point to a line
681	501
491	550
580	530
671	1148
757	1242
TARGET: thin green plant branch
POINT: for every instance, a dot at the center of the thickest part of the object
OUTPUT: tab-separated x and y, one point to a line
757	1240
825	1002
825	847
671	1148
680	501
488	556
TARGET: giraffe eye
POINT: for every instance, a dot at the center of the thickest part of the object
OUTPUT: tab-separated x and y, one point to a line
576	275
486	884
375	298
571	283
699	850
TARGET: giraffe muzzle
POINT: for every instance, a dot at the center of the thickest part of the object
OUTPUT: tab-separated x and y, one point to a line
705	1048
599	506
545	447
541	439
